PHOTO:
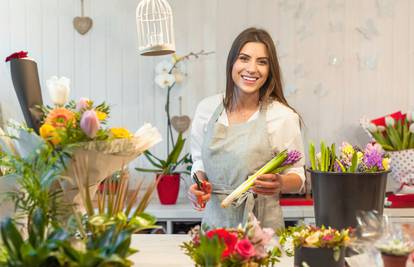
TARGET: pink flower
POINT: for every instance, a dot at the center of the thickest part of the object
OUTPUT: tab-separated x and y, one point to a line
245	249
90	123
260	237
83	104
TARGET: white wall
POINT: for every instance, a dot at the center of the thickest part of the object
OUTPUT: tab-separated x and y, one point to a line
345	58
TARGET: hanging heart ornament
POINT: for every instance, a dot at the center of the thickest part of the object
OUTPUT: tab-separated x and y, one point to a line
82	24
181	123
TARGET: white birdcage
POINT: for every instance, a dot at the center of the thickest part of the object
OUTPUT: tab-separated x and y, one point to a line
155	28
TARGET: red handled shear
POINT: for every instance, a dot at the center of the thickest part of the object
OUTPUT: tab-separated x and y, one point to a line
201	185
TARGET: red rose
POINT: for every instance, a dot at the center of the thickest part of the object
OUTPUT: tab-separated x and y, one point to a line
245	249
20	54
229	239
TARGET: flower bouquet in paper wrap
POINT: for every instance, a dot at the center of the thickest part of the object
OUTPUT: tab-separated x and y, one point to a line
395	132
79	128
243	246
278	164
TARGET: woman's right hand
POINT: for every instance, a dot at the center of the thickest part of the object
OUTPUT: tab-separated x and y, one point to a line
199	196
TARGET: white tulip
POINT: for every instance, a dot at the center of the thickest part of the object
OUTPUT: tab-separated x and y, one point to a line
58	89
412	128
372	128
163	67
410	116
164	80
389	121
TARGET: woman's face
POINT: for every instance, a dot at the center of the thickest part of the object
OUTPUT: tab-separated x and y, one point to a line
251	69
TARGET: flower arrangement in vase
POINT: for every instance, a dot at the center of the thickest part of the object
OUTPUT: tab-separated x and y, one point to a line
225	247
315	246
355	176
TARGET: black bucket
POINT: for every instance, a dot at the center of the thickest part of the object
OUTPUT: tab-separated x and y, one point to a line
338	196
318	257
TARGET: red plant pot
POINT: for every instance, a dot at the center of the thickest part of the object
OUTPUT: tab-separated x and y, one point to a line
394	261
168	187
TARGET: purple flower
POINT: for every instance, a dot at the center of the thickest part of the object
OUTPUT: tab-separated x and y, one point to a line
293	156
90	123
373	157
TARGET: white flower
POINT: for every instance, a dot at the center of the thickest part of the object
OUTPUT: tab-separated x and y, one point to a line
381	128
163	67
389	121
372	128
164	80
58	89
178	75
410	116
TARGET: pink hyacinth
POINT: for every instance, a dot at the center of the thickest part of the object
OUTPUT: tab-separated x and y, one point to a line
90	123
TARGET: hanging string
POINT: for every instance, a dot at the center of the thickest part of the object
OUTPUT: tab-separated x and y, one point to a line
180	99
82	9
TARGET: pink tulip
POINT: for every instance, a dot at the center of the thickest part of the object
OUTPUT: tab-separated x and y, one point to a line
82	104
90	123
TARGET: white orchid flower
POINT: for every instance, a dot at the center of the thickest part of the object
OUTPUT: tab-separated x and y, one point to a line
58	89
178	75
164	80
163	67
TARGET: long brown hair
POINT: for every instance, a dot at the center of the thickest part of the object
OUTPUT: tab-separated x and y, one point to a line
272	89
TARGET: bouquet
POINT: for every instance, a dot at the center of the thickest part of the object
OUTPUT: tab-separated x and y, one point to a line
278	164
243	246
350	158
394	132
307	236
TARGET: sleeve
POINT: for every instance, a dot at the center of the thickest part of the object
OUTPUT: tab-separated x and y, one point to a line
196	139
285	133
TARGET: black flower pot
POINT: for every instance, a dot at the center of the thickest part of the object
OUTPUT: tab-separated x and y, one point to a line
27	86
338	196
319	257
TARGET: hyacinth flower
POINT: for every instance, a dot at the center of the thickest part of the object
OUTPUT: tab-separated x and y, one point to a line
280	162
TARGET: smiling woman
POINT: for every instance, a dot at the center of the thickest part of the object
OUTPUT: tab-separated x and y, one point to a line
234	135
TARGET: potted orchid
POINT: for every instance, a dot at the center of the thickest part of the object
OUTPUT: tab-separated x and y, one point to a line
395	132
168	74
246	246
343	183
315	246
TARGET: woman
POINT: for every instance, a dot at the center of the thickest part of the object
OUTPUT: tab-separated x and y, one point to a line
234	136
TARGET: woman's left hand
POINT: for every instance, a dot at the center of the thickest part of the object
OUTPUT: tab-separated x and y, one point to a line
268	184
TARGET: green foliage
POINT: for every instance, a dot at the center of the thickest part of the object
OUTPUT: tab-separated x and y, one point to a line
172	162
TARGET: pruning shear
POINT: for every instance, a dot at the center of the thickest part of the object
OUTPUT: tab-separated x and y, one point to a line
201	185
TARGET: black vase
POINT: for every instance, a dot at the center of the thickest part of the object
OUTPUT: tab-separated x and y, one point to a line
338	197
318	257
27	86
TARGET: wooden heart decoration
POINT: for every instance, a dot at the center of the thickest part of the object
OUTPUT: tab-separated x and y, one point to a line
82	24
181	123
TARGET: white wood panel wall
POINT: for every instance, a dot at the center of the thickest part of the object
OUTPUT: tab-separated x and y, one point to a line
341	58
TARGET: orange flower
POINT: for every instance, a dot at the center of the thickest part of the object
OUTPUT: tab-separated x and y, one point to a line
49	133
60	118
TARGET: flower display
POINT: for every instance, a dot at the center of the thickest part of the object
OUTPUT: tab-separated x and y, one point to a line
349	159
242	246
313	237
394	132
278	164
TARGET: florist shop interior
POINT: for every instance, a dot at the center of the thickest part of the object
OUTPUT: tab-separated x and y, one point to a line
207	133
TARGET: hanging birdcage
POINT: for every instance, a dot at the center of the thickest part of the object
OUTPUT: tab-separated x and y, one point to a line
155	28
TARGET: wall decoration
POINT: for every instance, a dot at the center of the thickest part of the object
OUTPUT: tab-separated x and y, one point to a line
320	90
385	8
369	62
82	24
180	123
290	89
368	30
335	61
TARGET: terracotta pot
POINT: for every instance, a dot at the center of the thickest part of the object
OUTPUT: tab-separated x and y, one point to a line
318	257
168	187
394	261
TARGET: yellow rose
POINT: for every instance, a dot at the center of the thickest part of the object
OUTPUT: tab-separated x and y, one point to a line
101	115
120	133
312	239
49	133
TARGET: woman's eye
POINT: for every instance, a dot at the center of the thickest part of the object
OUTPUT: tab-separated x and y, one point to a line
244	59
263	62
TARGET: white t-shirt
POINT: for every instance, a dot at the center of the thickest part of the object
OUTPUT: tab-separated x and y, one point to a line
282	125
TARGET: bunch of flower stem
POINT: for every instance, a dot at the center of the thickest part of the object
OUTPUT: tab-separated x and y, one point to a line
273	166
397	135
115	204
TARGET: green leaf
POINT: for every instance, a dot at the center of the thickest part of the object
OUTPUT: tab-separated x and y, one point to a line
354	162
312	156
148	170
175	153
147	155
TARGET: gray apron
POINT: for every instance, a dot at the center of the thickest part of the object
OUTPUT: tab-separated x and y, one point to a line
230	154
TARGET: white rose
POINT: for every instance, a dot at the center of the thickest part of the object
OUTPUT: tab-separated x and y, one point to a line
58	89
